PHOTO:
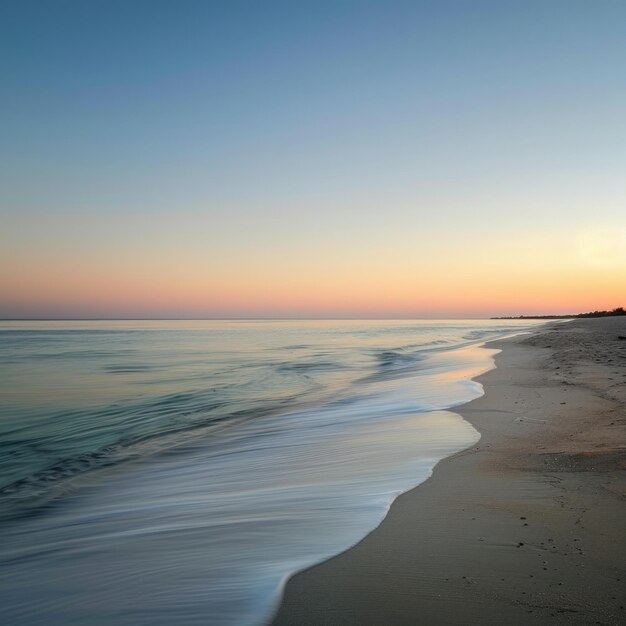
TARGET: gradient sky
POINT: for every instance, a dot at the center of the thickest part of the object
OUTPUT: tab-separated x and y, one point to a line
342	158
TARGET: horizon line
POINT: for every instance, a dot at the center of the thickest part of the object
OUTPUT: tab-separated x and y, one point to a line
230	319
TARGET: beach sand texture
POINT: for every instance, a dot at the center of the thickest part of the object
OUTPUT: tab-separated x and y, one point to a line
527	527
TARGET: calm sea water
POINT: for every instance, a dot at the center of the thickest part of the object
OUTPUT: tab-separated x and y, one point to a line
179	472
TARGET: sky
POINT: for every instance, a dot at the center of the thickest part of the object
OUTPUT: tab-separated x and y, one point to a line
311	159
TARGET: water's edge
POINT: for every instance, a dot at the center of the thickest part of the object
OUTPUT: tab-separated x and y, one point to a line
281	591
484	345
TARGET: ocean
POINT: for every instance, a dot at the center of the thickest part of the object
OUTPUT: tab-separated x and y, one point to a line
159	472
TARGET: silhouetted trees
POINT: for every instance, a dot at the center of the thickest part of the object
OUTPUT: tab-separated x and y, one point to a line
618	311
613	312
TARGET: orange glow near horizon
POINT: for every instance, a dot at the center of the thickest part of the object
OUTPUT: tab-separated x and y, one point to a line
171	271
452	289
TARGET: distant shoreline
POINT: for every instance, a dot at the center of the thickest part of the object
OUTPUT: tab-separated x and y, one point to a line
617	312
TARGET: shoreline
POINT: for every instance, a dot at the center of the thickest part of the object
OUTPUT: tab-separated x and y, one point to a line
526	526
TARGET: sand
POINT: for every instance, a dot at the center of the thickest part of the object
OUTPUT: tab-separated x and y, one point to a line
527	527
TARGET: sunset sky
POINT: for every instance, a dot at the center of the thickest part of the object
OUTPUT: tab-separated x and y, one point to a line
333	159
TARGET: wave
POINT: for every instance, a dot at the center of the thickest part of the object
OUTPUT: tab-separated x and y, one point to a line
397	358
24	496
309	367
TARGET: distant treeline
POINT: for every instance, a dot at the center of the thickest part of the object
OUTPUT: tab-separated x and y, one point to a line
618	311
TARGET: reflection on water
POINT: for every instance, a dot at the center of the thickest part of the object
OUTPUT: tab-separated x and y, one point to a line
227	455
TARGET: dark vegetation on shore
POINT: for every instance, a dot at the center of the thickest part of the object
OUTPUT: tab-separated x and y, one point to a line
618	311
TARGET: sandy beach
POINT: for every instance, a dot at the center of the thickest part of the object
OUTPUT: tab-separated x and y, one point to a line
527	527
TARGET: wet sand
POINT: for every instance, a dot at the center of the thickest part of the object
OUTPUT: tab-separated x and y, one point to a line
527	527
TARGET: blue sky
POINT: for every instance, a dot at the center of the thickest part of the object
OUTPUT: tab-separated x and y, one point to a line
294	117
